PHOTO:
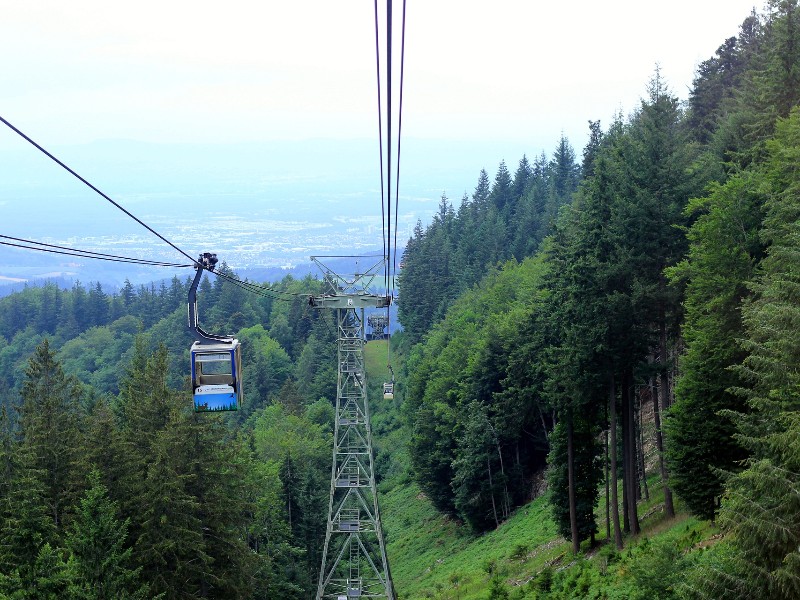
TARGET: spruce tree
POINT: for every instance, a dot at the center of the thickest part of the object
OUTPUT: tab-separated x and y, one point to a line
50	421
762	509
25	520
723	254
51	575
100	557
501	194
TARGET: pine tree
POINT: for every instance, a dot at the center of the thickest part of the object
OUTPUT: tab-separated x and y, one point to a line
587	477
217	484
479	482
591	149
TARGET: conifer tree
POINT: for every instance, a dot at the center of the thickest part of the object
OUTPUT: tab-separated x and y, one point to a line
762	507
169	546
501	194
25	521
481	194
724	251
100	558
50	419
522	178
51	575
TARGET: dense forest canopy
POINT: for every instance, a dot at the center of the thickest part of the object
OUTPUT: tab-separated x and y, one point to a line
655	272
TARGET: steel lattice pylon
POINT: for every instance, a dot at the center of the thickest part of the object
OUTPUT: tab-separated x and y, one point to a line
354	563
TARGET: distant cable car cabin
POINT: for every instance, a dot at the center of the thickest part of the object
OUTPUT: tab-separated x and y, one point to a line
216	360
388	386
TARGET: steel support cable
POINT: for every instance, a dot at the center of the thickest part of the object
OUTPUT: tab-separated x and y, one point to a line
256	288
65	251
388	142
109	199
399	136
393	257
74	174
261	290
129	261
88	253
380	145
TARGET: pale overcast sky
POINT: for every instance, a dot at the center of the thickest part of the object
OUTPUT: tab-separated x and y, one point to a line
179	71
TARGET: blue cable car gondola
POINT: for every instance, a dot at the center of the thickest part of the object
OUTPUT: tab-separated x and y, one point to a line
216	360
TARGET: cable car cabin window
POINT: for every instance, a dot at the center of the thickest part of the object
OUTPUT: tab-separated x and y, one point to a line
216	377
214	366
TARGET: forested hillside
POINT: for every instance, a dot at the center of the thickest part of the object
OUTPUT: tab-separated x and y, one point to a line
598	345
664	280
113	488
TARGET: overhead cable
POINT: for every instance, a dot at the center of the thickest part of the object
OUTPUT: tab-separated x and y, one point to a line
399	131
84	253
53	249
74	174
384	229
262	290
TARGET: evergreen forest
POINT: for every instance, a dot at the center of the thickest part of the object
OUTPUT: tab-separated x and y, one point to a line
597	396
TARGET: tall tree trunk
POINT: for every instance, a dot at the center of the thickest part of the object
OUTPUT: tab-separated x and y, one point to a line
573	509
663	389
506	498
626	470
630	450
608	487
640	448
491	490
612	426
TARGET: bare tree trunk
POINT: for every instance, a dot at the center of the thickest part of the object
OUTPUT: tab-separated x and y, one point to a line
626	468
612	410
506	499
630	451
608	487
663	396
573	510
491	488
640	452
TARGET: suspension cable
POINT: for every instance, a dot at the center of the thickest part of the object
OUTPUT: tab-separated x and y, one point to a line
74	174
380	143
392	259
389	140
389	236
66	251
86	253
262	290
399	137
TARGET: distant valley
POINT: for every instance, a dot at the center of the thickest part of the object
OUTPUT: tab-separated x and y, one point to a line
264	208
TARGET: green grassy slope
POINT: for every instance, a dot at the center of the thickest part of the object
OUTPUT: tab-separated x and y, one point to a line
434	557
